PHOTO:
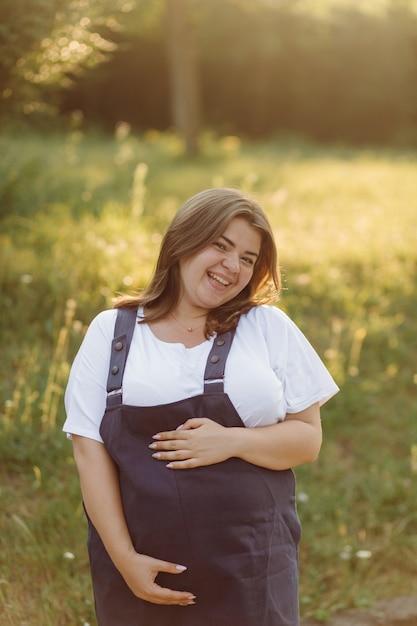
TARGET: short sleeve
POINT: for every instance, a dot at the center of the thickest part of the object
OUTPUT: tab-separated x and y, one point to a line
85	395
304	377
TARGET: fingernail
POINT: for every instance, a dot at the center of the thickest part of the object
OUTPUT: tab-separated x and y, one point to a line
179	427
153	446
156	455
157	436
180	568
169	465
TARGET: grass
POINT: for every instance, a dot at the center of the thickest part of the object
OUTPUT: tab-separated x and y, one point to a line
82	217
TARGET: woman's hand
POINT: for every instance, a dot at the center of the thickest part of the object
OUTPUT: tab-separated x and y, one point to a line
200	441
105	509
197	442
140	572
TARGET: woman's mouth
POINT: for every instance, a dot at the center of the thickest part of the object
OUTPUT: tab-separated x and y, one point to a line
218	279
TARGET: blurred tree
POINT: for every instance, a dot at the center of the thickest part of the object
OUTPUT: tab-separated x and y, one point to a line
23	23
44	43
329	69
183	73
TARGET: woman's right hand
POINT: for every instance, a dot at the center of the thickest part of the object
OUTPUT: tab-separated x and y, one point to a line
105	509
140	572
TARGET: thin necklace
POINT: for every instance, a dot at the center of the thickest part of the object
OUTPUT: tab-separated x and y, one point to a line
188	328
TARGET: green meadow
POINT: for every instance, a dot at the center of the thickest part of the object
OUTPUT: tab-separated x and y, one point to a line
81	220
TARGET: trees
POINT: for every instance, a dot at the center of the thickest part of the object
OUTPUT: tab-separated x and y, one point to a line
185	101
45	42
330	70
23	23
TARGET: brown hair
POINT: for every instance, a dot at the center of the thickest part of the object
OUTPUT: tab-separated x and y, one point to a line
199	222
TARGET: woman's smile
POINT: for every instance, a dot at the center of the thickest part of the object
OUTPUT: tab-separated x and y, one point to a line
219	280
220	271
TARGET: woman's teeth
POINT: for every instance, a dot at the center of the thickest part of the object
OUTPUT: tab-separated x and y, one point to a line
218	279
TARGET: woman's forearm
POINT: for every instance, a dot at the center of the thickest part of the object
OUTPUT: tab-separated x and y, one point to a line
101	495
280	446
202	441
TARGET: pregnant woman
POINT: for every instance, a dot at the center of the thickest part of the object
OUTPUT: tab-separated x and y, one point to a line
188	405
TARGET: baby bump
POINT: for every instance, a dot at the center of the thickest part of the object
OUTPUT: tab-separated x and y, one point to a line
167	507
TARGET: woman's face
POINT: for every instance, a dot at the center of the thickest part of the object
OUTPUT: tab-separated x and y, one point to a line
220	271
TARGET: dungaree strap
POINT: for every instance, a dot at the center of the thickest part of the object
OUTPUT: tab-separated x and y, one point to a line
216	362
123	333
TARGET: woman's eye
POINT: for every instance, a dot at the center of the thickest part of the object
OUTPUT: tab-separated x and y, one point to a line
220	245
248	260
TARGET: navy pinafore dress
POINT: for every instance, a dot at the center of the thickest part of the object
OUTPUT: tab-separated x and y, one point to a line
233	524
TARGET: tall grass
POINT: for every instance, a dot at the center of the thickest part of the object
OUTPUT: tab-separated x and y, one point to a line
82	218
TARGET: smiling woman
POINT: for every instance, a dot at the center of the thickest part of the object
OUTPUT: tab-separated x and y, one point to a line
219	272
202	222
188	405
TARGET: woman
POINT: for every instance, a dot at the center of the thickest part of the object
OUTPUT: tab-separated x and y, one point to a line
186	470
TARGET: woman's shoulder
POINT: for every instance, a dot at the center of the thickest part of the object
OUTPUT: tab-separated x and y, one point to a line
267	314
103	323
267	321
104	318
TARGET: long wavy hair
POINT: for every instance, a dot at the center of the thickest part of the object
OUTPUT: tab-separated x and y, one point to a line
197	224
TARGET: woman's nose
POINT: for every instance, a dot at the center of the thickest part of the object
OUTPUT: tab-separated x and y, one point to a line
232	262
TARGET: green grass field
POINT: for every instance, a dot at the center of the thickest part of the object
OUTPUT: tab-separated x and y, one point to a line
81	220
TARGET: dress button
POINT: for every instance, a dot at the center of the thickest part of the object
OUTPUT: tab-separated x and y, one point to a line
220	342
214	358
114	369
118	346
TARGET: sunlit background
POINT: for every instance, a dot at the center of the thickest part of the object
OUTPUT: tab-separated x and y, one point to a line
112	114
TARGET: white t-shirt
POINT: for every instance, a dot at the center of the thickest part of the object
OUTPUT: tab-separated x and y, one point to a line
271	370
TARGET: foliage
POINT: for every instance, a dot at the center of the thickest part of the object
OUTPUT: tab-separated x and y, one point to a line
45	43
23	23
341	73
82	219
332	70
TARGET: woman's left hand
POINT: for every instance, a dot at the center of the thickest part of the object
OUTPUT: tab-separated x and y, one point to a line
197	442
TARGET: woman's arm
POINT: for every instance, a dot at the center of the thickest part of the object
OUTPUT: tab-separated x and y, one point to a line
200	441
287	444
102	500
